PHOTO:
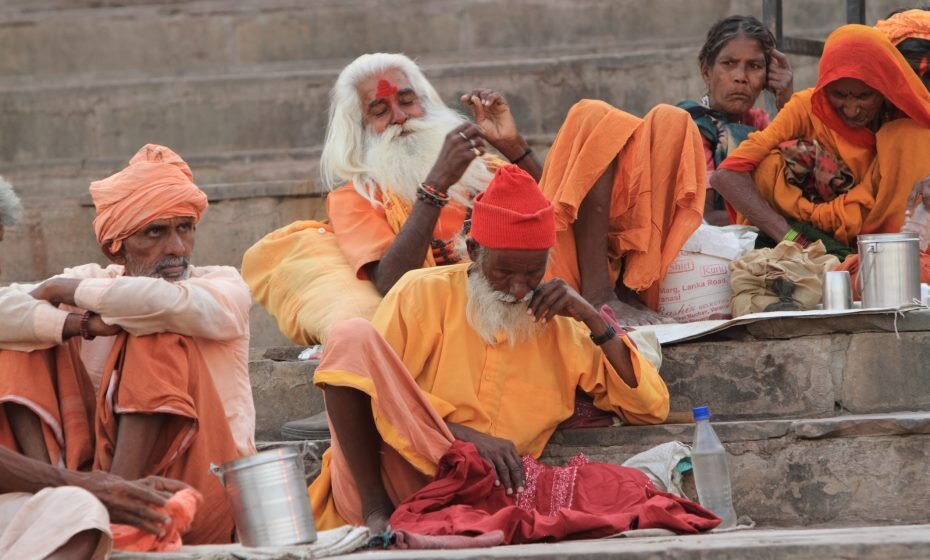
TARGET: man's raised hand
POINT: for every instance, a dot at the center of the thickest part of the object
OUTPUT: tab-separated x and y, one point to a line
462	145
555	297
492	114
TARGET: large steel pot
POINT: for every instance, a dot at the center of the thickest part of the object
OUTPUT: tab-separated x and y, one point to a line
889	269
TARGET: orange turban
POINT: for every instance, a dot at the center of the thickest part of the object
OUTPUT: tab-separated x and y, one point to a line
156	184
911	24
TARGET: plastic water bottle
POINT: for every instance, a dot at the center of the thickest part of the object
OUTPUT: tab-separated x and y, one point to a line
711	475
917	220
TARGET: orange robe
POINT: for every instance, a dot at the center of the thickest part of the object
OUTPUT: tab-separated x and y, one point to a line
658	192
60	392
365	232
885	164
160	373
422	365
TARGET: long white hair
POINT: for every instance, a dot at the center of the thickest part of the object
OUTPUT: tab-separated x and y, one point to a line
352	154
11	209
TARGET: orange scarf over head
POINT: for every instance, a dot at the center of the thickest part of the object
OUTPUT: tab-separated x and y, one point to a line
156	184
910	24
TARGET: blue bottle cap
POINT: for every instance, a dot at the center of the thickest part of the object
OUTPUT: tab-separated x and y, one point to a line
700	413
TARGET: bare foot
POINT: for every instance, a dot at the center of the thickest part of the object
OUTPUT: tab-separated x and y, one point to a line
377	521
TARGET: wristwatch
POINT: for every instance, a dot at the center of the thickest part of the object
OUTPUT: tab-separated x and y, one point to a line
605	337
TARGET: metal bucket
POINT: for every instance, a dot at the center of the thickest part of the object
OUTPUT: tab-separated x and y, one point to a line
889	269
268	494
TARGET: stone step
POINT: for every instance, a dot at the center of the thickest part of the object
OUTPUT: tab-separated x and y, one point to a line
284	112
239	215
90	39
759	374
835	472
805	367
902	542
839	471
282	392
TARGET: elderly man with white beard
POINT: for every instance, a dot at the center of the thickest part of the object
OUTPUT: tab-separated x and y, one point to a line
482	352
404	166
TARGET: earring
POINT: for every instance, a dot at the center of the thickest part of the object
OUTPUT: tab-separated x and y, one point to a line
705	101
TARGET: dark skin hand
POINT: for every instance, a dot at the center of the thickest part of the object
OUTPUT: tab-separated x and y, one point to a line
556	297
493	115
780	78
132	502
501	453
59	291
741	192
413	241
128	502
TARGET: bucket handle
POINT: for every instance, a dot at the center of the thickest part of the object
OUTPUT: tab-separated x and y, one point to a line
860	283
218	473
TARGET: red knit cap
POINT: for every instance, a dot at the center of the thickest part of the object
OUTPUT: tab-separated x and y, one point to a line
513	213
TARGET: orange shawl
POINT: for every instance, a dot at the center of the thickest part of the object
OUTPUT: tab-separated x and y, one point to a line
658	193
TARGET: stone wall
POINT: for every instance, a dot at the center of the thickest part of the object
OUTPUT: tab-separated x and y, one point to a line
239	88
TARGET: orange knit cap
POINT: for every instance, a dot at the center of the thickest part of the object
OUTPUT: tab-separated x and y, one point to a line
513	213
156	184
910	24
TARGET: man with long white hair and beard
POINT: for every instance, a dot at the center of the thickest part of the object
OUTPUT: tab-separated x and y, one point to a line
483	352
404	167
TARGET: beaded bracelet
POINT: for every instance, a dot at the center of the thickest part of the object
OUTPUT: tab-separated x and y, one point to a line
85	326
432	196
791	235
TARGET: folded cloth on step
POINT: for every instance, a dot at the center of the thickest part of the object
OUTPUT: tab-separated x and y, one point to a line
578	501
181	508
661	465
752	276
406	540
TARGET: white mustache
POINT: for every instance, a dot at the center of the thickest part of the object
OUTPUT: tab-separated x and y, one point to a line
510	298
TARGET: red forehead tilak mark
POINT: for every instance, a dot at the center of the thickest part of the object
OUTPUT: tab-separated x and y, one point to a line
385	89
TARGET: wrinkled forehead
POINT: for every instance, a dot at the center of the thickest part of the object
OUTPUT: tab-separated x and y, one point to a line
382	85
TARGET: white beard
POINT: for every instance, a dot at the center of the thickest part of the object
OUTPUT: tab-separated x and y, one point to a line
491	312
401	163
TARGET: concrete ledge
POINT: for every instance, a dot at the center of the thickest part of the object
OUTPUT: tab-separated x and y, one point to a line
887	543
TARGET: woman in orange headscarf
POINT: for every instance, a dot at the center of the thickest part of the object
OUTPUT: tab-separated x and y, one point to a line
840	159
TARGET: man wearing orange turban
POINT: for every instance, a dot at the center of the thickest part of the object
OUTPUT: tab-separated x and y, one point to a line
484	352
139	368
